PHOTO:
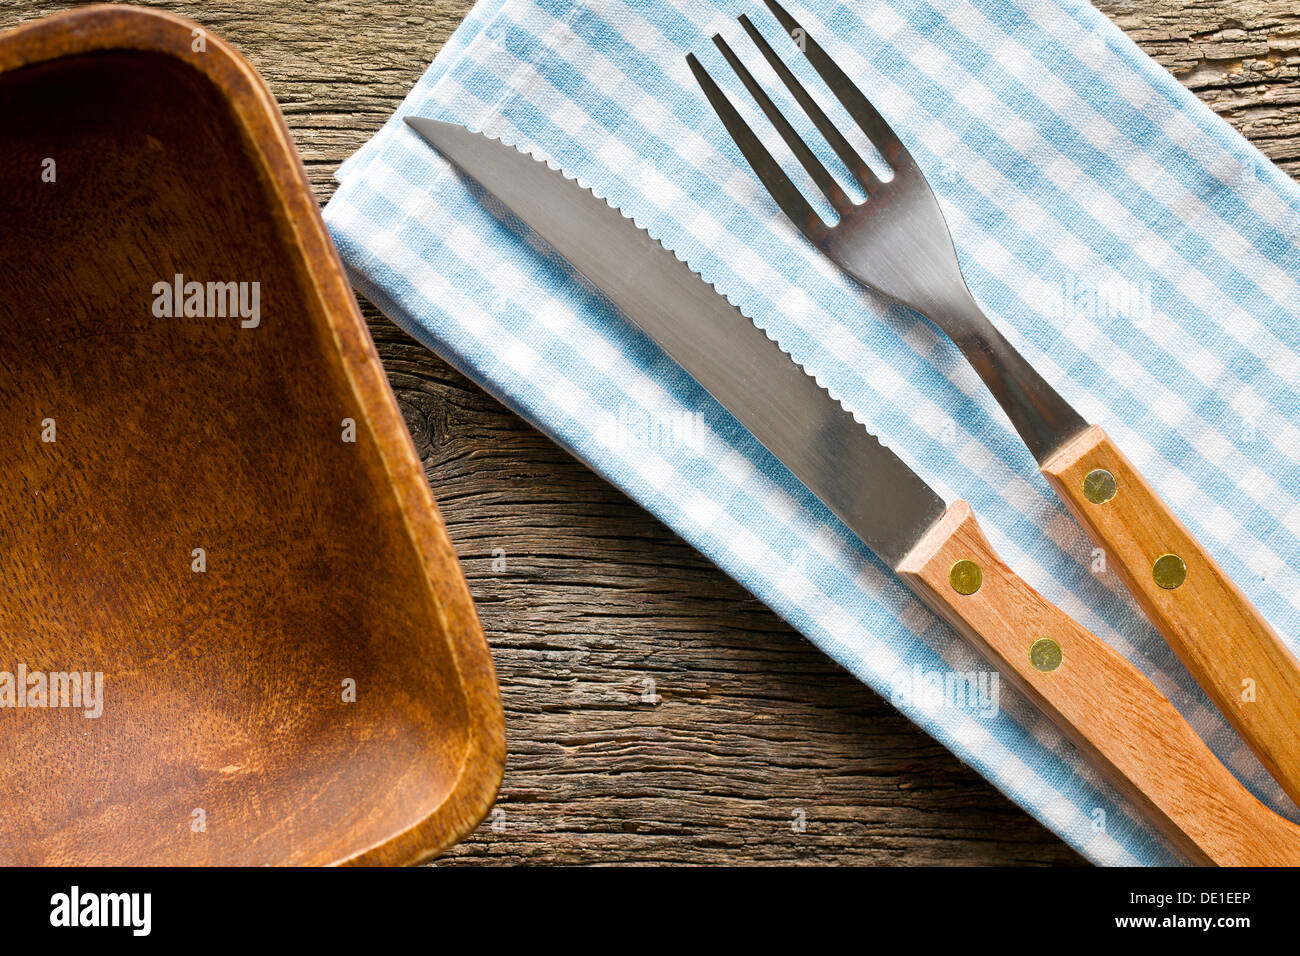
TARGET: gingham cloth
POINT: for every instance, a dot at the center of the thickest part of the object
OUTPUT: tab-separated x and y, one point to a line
1132	246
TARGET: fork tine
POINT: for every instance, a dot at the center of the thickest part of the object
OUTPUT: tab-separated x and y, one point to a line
769	171
824	180
858	106
843	149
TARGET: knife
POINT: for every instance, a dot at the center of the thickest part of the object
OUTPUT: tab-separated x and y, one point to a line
1116	718
898	243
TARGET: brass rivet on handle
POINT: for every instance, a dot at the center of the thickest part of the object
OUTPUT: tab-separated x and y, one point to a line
965	577
1169	571
1099	486
1045	654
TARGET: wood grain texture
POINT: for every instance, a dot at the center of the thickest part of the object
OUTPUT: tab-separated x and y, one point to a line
753	723
1108	709
1220	637
220	514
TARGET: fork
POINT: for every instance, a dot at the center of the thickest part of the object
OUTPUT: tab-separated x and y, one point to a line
897	242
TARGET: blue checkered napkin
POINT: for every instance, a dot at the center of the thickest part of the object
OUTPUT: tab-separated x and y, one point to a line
1132	246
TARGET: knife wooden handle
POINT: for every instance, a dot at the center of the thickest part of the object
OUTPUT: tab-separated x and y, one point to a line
1111	712
1220	637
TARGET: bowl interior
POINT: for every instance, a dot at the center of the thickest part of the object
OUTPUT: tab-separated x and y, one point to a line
226	734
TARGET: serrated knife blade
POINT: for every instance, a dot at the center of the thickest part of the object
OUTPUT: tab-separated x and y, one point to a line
886	504
1107	707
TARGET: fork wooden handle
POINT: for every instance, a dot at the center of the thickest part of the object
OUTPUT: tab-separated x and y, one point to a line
1218	634
1108	709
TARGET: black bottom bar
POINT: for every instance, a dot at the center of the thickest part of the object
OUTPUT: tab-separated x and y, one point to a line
464	907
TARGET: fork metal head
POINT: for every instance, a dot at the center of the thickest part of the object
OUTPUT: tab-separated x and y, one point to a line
896	242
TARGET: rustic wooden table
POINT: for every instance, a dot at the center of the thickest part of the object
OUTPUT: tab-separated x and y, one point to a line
758	749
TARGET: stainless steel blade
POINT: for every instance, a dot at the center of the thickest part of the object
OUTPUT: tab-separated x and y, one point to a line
884	502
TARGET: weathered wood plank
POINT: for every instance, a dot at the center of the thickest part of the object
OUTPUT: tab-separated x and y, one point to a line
752	723
1241	57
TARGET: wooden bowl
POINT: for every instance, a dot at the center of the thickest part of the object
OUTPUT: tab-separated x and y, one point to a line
200	530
